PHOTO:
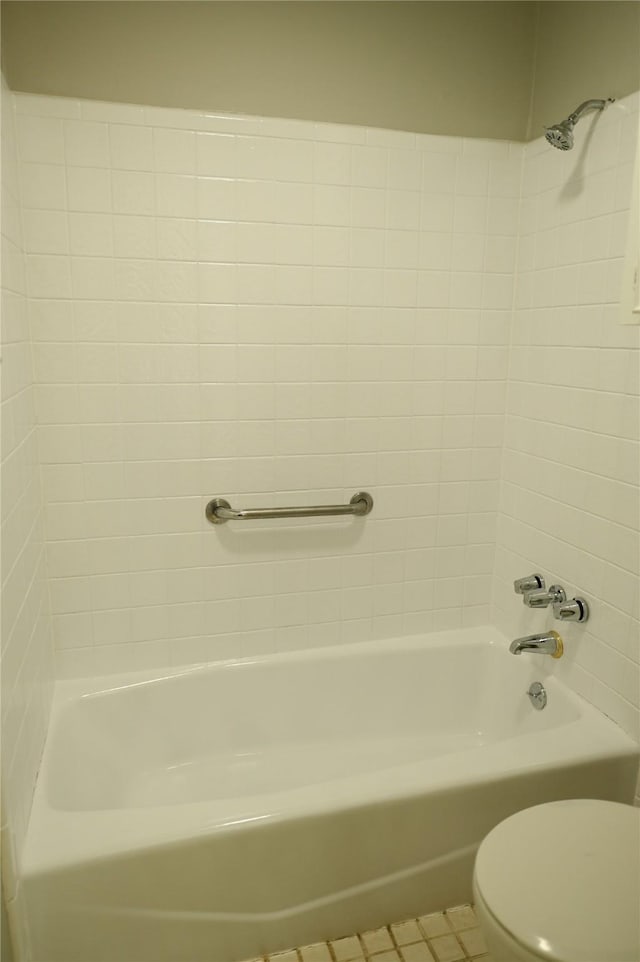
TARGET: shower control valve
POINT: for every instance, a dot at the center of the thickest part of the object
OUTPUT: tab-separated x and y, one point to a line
531	583
542	599
575	610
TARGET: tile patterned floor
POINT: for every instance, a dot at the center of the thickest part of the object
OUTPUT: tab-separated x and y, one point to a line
450	936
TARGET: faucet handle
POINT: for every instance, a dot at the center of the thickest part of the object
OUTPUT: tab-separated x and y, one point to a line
575	610
522	586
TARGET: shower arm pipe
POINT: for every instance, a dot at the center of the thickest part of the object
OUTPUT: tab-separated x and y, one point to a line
588	105
220	511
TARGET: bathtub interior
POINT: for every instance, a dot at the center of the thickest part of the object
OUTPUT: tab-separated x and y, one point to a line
251	728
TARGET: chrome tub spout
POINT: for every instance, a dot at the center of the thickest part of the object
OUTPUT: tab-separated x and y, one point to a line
548	643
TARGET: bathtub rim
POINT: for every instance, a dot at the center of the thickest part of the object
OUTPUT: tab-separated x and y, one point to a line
66	689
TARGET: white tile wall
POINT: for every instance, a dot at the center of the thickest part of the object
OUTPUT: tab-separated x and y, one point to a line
274	312
570	501
27	650
281	312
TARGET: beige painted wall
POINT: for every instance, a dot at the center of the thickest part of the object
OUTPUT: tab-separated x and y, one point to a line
448	68
487	69
583	50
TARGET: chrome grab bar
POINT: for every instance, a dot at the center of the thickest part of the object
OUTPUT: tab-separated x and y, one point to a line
220	511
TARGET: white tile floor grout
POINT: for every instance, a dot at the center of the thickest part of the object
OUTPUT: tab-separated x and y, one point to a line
450	936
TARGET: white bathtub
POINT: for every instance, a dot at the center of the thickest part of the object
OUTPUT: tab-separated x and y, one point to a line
224	811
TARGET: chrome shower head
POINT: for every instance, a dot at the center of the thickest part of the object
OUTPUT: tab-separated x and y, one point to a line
561	134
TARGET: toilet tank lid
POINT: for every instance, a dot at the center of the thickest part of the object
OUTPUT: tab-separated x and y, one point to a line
563	879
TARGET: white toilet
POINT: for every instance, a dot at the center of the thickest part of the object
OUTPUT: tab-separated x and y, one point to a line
561	882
